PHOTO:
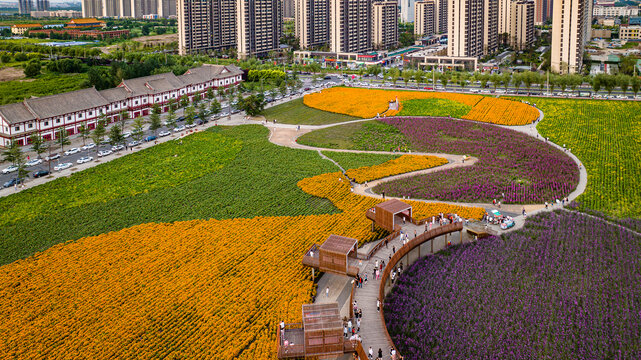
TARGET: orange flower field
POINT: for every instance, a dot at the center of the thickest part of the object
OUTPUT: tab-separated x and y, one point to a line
217	288
367	103
404	164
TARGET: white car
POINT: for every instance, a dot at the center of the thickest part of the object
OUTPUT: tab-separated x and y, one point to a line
52	157
33	162
117	147
89	146
179	128
10	169
102	153
134	143
84	159
164	133
127	134
189	126
62	166
72	151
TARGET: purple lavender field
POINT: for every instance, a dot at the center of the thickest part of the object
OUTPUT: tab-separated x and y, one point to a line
566	286
525	169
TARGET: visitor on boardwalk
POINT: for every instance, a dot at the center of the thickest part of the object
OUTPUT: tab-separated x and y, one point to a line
345	331
327	292
380	353
378	305
370	353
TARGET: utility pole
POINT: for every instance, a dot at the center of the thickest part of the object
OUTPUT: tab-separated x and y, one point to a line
548	83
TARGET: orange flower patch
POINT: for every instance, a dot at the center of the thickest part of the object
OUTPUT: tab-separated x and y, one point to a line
404	164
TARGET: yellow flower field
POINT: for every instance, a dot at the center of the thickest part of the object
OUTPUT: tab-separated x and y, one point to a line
367	103
216	287
404	164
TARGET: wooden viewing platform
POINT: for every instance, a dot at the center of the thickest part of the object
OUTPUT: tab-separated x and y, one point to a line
334	256
386	214
320	335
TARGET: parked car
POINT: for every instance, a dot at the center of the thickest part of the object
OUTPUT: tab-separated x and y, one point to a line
33	162
164	133
10	169
52	157
40	173
134	143
189	126
72	151
179	128
89	146
84	159
181	118
63	166
117	147
11	182
150	138
127	134
102	153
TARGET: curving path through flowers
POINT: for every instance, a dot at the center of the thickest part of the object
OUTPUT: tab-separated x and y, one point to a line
373	330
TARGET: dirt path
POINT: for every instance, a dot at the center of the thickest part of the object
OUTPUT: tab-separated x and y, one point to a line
11	73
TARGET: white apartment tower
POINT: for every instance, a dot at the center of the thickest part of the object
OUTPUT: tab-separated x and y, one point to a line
311	22
385	24
350	25
440	17
42	5
472	27
206	25
259	26
522	24
424	13
407	10
504	16
571	25
91	8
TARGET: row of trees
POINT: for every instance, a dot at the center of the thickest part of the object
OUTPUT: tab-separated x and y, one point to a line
515	80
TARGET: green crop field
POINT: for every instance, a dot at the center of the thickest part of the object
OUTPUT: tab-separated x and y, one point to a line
247	177
354	160
295	112
42	85
434	107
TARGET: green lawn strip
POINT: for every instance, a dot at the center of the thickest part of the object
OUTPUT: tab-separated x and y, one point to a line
434	107
295	112
43	85
259	181
368	135
166	165
606	137
354	161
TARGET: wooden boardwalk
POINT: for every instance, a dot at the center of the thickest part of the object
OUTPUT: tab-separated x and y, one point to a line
372	327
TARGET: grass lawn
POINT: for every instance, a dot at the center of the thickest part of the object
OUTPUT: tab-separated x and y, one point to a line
367	135
43	85
355	161
434	107
295	112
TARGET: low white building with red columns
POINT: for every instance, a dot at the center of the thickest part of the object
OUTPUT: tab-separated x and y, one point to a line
46	115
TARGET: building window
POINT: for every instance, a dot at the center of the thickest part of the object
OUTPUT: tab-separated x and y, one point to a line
68	118
46	123
17	128
30	126
57	121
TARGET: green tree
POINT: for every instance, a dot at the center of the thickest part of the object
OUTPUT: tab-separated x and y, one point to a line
183	101
419	77
190	114
202	111
14	155
62	138
98	134
84	133
123	117
154	119
210	94
394	74
215	108
115	135
252	105
38	144
635	83
596	84
171	118
495	79
624	82
407	76
505	80
138	128
32	69
444	78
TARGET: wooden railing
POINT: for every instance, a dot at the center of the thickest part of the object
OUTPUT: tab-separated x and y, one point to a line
404	250
291	351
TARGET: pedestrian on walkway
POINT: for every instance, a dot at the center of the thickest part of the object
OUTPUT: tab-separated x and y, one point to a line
349	326
358	324
376	264
382	265
415	234
380	353
378	306
327	292
546	204
360	314
365	280
393	250
523	211
370	353
403	220
386	241
401	267
377	274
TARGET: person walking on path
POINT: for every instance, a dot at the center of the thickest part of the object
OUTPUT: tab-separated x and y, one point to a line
327	292
370	353
378	306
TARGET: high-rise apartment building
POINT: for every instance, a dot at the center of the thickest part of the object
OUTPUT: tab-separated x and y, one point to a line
571	25
504	16
440	16
311	24
25	6
385	24
350	25
206	25
110	8
472	27
543	11
91	8
289	8
424	13
521	24
259	27
42	5
166	8
490	26
407	10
